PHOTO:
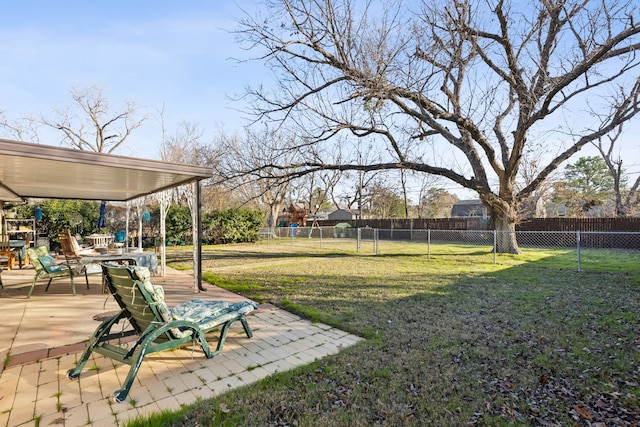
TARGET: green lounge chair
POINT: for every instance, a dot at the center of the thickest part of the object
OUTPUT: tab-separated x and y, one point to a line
156	326
47	268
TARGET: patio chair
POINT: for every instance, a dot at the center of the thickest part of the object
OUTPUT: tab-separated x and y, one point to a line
73	253
23	257
6	251
153	325
47	268
71	248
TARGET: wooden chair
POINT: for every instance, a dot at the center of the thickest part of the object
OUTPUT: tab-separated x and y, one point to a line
156	326
21	253
71	248
47	268
67	249
27	244
7	251
73	253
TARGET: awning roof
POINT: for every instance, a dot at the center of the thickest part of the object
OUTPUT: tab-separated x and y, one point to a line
44	171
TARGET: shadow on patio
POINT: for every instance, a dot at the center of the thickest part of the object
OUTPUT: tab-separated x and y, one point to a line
41	338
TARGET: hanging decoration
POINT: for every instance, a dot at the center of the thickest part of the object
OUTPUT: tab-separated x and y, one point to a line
102	219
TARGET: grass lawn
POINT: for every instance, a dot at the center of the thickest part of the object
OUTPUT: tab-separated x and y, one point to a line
451	339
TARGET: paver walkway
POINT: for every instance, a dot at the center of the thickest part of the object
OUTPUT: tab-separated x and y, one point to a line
34	388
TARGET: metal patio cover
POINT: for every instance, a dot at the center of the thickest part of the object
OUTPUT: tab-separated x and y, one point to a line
29	170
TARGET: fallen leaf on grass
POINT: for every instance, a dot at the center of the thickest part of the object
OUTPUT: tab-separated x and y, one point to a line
583	412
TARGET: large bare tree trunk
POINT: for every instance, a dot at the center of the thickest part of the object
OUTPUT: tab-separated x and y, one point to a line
274	211
506	241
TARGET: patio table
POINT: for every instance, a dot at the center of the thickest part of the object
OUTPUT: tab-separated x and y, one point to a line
100	240
20	245
143	259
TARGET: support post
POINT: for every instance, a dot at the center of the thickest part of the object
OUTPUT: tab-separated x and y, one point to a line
376	239
495	246
578	244
198	238
199	216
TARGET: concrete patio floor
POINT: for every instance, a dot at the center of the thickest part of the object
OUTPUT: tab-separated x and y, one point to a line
42	337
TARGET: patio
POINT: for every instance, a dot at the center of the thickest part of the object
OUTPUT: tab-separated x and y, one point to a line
40	341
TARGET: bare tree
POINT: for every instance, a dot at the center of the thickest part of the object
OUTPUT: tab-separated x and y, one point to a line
90	124
358	189
428	183
386	203
405	195
186	146
625	198
458	88
438	202
315	191
22	129
330	180
534	205
250	153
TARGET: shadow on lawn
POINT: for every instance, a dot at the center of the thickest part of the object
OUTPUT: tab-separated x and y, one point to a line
212	255
527	344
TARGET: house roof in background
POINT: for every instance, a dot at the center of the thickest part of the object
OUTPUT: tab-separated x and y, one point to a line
469	208
29	170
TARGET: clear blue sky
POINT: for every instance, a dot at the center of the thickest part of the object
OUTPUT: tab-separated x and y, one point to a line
154	52
172	53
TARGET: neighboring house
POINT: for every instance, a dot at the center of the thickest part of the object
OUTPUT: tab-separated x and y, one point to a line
560	209
469	208
555	209
533	207
321	215
343	215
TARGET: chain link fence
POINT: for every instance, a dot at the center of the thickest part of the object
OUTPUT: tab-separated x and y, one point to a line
602	251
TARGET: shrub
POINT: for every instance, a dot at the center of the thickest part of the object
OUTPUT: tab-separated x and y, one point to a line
232	225
178	224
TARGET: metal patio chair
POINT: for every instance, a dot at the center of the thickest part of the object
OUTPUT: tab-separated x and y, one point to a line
154	327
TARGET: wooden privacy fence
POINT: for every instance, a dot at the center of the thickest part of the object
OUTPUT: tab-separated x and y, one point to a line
533	224
580	224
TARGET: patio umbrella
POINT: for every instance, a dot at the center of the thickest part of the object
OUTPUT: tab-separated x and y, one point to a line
102	219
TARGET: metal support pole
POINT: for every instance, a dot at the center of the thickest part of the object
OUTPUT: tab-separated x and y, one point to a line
429	243
411	232
359	242
578	243
198	215
376	237
495	246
